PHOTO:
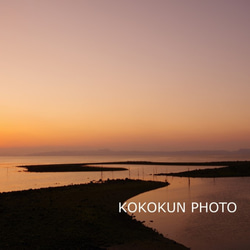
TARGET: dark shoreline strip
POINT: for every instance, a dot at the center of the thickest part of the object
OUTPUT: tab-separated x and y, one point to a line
212	163
233	169
228	169
68	168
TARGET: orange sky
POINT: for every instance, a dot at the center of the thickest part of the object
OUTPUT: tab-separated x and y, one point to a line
148	75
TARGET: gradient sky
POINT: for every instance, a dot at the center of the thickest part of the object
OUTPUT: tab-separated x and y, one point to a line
127	74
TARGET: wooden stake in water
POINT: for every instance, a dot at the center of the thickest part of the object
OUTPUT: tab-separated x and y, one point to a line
101	175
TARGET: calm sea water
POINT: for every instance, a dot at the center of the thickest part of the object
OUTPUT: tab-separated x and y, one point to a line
195	230
229	231
14	178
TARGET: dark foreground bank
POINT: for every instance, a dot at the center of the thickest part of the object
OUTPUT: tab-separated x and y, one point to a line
77	217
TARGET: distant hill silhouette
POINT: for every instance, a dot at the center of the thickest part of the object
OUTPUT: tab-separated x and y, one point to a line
241	153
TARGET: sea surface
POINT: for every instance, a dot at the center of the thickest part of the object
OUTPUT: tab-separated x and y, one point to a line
196	230
201	230
13	178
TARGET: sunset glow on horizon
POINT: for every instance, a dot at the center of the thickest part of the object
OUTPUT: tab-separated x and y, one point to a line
139	75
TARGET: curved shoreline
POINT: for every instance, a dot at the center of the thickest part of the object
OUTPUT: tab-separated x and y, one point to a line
227	168
232	169
77	217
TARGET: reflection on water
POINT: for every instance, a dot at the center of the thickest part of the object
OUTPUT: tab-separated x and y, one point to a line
202	230
13	178
195	230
